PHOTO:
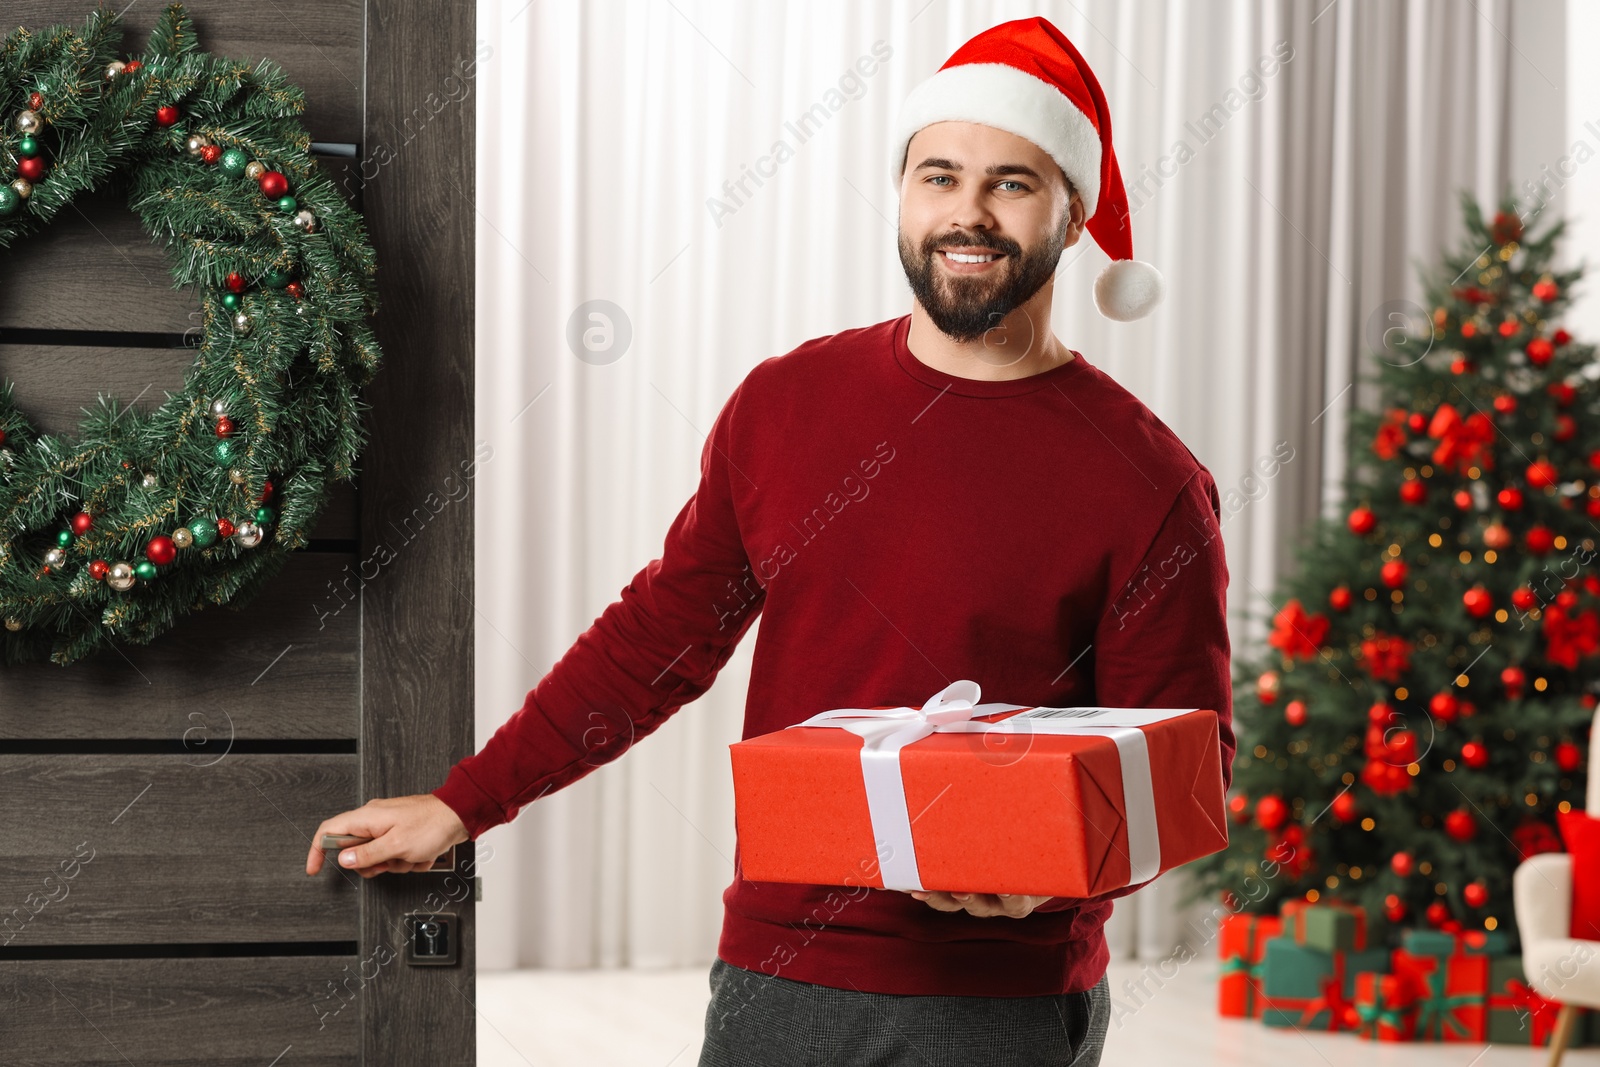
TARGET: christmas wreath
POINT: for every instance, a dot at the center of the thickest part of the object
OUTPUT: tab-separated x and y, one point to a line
140	518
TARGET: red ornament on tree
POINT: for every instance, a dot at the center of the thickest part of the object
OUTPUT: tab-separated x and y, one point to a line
1524	599
1239	807
98	569
1394	909
35	101
1539	351
1497	536
1514	679
1477	601
161	550
1393	573
1508	327
224	527
1413	491
1505	403
1344	807
295	289
1339	598
1362	520
81	523
1546	290
31	168
1460	825
1417	421
1505	228
235	282
1476	894
1510	498
1271	812
1564	394
166	115
1560	337
224	426
1444	706
210	153
1380	714
273	184
1540	540
1475	755
1437	914
1568	757
1294	713
1566	428
1463	499
1267	687
1542	474
1401	863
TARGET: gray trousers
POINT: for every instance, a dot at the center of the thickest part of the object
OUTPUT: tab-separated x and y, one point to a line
757	1020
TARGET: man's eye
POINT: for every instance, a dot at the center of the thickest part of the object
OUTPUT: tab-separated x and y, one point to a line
1019	185
938	177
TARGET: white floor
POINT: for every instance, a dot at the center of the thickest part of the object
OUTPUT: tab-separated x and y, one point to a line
643	1019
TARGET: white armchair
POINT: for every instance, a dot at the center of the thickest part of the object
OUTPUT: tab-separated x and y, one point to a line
1558	966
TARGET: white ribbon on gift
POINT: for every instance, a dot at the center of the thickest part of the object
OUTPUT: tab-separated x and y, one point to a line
885	731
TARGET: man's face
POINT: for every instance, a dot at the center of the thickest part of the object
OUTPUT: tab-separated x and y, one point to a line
970	188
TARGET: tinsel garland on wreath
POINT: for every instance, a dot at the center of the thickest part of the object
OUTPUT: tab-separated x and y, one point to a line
140	518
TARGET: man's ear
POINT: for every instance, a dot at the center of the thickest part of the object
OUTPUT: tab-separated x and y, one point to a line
1075	219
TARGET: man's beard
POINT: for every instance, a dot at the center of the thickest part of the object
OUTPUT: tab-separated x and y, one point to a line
965	307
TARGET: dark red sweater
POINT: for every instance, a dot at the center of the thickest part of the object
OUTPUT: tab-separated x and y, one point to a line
898	528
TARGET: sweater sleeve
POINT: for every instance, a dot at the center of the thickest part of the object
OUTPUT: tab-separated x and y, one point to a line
1163	641
657	647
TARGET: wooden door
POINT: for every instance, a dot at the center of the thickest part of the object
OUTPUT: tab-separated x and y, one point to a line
179	782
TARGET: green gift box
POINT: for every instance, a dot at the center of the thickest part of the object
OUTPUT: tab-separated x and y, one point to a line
1518	1014
1332	925
1485	942
1307	988
1428	943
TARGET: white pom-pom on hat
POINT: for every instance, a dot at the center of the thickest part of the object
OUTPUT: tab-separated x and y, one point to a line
1128	289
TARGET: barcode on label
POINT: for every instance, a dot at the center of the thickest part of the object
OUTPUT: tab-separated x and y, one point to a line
1064	713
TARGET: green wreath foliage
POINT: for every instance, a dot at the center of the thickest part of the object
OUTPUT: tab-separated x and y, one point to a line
139	518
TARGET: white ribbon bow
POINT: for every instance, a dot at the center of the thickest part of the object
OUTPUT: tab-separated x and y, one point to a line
885	731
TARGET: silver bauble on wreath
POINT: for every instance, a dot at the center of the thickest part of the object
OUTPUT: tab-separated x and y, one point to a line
115	67
196	143
22	187
28	121
183	537
56	557
254	169
248	534
120	576
305	220
241	324
150	481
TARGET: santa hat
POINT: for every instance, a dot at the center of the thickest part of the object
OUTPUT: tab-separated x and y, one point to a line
1026	78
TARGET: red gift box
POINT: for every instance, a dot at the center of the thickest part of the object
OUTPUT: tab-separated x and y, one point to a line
1002	798
1452	994
1241	941
1386	1005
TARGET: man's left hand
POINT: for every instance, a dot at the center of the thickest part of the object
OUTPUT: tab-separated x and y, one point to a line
983	905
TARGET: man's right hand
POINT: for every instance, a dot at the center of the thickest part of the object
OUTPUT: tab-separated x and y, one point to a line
408	834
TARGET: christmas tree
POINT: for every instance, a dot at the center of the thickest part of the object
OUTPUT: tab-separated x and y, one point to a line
1421	709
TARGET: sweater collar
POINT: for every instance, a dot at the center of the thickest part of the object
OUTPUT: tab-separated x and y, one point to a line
978	387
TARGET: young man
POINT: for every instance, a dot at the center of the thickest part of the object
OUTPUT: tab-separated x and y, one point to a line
949	494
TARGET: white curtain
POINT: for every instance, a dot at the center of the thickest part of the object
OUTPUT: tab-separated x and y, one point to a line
626	153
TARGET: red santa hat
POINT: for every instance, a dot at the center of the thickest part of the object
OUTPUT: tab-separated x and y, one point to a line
1026	78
